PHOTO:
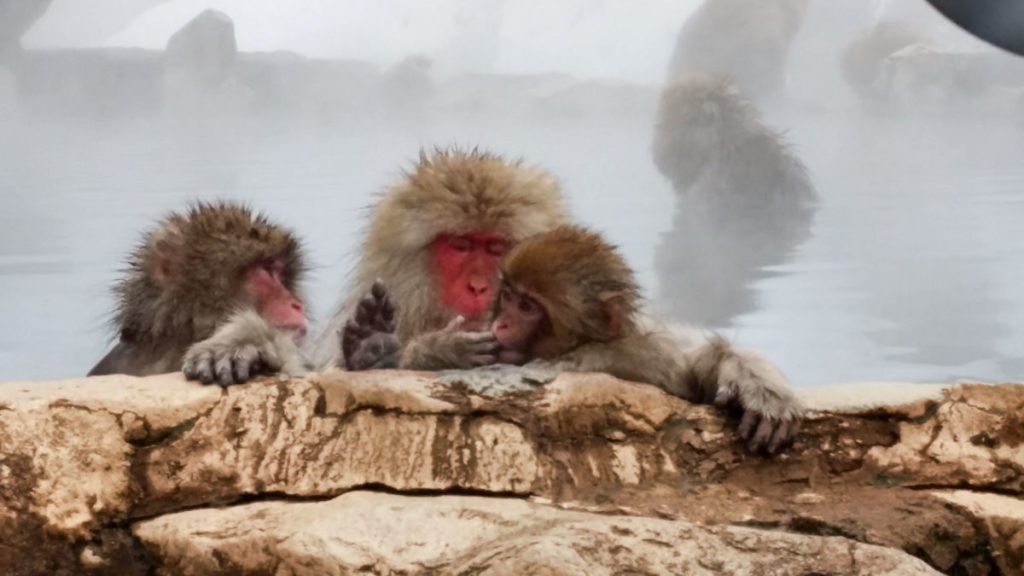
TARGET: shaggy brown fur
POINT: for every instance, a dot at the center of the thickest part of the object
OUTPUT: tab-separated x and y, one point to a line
449	191
573	273
186	278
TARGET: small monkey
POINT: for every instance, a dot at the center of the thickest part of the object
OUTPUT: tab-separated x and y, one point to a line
568	299
218	267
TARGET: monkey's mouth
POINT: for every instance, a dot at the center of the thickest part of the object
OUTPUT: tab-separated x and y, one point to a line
509	356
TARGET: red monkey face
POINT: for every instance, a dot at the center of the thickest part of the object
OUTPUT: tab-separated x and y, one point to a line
467	267
273	300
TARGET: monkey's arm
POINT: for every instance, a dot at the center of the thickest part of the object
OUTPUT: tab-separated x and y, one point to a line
450	348
243	347
703	370
717	373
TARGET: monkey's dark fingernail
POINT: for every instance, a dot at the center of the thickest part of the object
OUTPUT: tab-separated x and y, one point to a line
780	437
763	434
378	290
747	424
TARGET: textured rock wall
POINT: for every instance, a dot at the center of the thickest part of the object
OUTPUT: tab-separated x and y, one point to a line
116	475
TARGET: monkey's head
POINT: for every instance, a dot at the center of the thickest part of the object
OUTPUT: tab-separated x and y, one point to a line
561	289
437	237
193	269
698	117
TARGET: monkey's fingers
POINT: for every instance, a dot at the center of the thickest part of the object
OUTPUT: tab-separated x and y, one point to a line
763	435
485	359
366	311
726	397
244	363
199	367
224	370
455	324
747	424
352	335
378	290
783	436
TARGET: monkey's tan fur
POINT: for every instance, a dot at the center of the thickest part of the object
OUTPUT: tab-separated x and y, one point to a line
448	191
571	272
185	278
706	129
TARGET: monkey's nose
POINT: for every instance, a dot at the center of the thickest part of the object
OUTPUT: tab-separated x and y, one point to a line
478	289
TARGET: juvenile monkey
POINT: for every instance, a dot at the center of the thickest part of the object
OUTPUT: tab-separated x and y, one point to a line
215	265
569	301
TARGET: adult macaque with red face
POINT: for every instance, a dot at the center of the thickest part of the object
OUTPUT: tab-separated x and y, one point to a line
217	267
435	241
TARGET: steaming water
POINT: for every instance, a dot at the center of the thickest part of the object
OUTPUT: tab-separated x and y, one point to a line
913	270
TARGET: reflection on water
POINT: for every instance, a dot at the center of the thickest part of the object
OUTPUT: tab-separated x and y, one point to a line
912	270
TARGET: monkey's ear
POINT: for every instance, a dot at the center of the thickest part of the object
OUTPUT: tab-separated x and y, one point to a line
613	307
164	262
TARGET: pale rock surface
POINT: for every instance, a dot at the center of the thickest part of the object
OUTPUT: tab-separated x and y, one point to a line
83	461
391	534
200	66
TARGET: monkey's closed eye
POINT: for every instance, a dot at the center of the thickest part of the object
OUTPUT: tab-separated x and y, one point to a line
460	244
527	305
497	248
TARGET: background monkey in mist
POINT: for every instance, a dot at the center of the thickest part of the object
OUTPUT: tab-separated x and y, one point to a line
569	301
746	40
435	239
744	199
214	265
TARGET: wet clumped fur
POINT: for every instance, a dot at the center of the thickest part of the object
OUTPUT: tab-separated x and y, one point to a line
184	279
572	271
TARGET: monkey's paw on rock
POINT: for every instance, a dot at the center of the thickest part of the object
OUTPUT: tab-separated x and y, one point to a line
499	472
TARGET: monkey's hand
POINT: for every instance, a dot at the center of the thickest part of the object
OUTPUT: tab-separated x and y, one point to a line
750	384
451	348
368	339
771	413
242	348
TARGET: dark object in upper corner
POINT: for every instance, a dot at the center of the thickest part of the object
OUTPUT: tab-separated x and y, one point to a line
998	22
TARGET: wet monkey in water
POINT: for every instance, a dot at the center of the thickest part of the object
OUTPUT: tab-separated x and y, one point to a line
215	267
434	238
569	301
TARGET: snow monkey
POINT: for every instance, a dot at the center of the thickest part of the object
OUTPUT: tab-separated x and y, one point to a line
216	264
569	301
745	200
435	239
746	40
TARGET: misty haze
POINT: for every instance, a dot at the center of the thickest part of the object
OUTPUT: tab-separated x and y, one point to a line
904	263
